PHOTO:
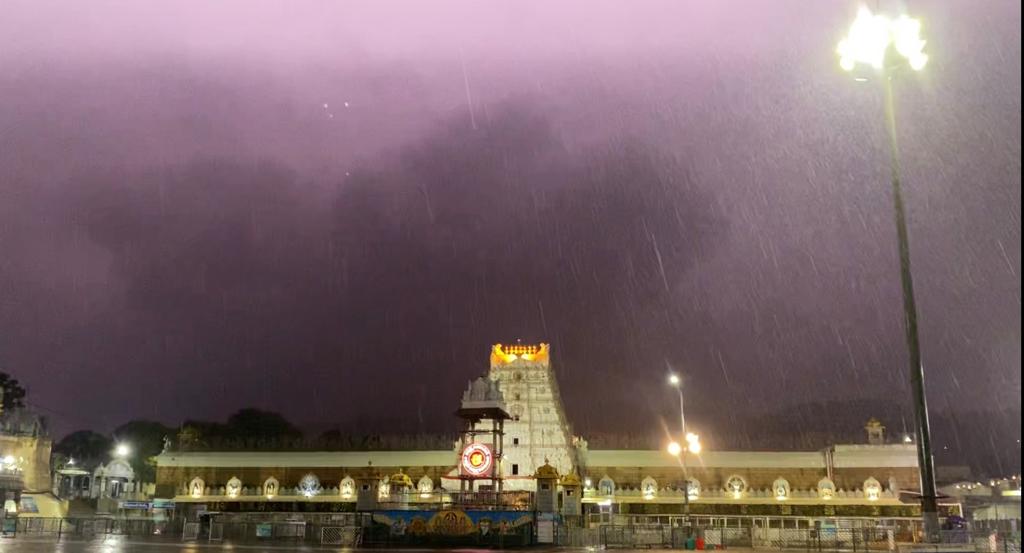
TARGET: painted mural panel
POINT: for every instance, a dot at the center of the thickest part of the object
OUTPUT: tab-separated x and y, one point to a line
453	523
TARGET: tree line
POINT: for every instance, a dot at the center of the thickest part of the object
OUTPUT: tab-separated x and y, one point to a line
246	429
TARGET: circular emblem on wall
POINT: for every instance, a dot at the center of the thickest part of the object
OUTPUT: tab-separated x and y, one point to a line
477	460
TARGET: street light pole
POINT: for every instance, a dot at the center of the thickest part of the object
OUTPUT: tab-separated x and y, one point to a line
887	44
925	460
686	477
675	381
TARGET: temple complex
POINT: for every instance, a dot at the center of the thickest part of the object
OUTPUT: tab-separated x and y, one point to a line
534	437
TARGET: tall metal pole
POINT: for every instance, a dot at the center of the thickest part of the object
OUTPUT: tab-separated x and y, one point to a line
925	461
682	454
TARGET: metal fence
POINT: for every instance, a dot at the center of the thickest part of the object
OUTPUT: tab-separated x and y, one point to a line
93	527
675	534
575	536
308	532
634	536
338	535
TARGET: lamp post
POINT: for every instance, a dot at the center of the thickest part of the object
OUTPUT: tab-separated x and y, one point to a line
887	44
692	441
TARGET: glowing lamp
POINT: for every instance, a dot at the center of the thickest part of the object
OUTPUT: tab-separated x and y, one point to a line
674	449
871	36
693	443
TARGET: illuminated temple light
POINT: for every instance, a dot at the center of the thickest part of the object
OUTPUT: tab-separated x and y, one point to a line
507	354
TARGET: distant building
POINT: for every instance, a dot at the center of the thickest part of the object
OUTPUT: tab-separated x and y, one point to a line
990	502
24	459
114	479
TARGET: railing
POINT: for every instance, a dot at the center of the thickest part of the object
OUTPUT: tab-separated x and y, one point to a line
676	534
92	527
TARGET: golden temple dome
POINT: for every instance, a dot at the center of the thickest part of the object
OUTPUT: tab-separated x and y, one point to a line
546	471
400	479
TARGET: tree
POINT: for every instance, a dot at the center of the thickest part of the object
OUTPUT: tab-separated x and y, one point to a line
254	424
14	393
146	440
200	434
86	447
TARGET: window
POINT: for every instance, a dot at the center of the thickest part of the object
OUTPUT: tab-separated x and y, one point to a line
515	441
545	487
515	469
515	396
568	493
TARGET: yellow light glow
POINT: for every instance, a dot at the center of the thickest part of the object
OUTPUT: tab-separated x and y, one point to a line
693	443
506	354
737	494
674	449
871	35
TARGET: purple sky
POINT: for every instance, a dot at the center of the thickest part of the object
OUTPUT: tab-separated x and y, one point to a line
332	209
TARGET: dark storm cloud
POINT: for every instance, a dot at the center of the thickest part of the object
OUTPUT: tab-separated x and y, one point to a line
398	276
333	210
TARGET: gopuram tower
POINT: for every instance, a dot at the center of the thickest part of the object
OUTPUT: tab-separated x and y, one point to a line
538	431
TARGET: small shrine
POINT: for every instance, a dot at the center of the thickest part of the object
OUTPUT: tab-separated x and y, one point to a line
547	488
483	413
